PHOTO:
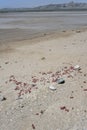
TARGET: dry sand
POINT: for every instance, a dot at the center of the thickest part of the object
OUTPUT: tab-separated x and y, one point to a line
41	108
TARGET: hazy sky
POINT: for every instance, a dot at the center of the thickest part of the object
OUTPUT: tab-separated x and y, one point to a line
31	3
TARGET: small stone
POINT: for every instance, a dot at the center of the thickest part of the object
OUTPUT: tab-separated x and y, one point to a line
33	126
6	62
43	58
42	111
61	81
78	31
2	98
52	87
77	67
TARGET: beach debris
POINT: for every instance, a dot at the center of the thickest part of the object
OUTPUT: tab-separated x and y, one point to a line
44	77
37	114
85	89
2	98
43	58
42	111
71	97
61	81
52	87
78	31
84	82
77	67
64	108
33	126
85	75
6	62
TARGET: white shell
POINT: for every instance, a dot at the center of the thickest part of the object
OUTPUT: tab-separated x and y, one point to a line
76	67
52	87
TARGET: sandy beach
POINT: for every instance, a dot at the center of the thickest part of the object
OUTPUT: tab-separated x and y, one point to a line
42	106
27	70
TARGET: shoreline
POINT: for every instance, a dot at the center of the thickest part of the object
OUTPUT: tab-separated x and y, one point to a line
12	44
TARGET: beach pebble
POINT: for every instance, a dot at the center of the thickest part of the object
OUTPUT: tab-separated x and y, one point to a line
2	98
61	81
52	87
77	67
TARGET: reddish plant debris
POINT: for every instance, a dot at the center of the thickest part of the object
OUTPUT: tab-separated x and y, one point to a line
44	77
71	67
85	75
17	88
33	126
67	110
85	89
54	79
84	82
18	83
34	80
42	111
25	84
37	113
63	108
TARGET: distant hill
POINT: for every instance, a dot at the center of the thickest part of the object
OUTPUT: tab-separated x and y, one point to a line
72	6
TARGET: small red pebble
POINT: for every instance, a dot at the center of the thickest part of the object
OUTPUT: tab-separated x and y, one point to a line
71	97
62	108
33	126
71	67
17	88
18	83
37	113
10	80
25	84
29	90
67	110
84	81
85	90
54	80
34	80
